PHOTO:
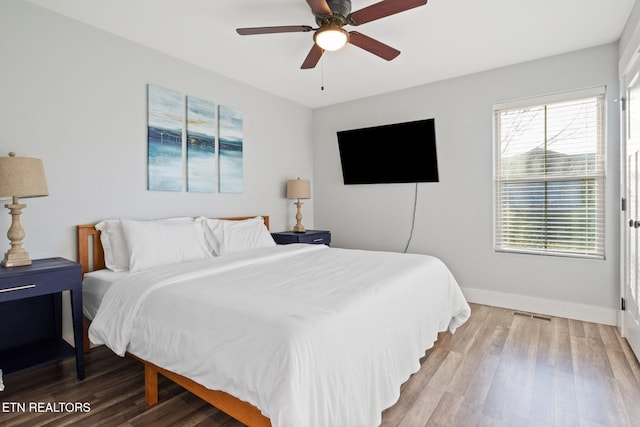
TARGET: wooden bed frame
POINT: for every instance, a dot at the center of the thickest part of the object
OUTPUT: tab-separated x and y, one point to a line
91	256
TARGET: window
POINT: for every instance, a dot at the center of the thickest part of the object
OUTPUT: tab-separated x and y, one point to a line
549	175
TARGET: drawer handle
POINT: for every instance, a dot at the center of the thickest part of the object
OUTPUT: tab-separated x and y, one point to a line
318	240
17	288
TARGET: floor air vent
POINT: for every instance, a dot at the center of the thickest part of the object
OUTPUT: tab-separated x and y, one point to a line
532	315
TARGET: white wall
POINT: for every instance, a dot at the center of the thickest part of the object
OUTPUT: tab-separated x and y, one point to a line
75	97
455	216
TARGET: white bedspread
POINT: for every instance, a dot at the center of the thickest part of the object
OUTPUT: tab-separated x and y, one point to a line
311	335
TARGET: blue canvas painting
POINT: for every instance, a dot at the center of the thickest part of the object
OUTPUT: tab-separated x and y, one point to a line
230	149
164	138
202	173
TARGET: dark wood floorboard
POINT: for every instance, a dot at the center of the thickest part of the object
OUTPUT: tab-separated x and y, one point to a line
499	369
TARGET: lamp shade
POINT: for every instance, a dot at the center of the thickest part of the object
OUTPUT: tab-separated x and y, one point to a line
22	177
298	189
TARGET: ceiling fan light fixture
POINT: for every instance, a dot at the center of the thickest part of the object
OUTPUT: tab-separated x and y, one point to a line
331	37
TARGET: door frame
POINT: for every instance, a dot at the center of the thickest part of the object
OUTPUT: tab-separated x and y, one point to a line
627	74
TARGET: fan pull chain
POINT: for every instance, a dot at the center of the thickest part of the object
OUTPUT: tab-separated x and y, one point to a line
322	73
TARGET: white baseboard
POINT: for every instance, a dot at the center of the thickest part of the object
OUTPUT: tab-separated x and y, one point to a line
569	310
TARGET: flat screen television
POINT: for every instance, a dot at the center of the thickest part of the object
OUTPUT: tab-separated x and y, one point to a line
395	153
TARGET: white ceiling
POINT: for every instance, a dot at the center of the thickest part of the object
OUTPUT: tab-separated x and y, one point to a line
444	39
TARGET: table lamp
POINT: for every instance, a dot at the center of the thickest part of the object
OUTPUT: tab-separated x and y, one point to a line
19	177
298	189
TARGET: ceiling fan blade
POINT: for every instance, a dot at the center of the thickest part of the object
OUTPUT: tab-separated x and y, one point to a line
313	57
273	30
372	45
320	7
383	9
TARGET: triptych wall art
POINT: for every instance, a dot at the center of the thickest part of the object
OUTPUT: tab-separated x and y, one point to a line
193	144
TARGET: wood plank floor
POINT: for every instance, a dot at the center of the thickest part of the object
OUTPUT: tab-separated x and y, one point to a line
499	369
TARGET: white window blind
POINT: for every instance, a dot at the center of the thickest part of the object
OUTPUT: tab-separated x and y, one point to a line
549	175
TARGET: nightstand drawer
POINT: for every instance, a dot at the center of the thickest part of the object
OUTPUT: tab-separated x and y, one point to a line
18	286
314	237
318	239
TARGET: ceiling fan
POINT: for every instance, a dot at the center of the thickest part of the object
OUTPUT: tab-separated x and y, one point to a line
331	16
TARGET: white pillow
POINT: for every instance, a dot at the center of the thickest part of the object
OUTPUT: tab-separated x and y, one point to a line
154	243
227	236
212	229
116	255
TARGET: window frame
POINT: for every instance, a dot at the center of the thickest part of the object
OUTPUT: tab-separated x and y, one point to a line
500	242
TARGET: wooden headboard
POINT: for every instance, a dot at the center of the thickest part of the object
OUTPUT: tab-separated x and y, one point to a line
91	254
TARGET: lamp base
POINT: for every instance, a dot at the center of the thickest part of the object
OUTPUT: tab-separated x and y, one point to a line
16	258
299	228
16	255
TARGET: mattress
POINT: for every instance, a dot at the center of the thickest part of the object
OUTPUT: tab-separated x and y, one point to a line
94	285
310	335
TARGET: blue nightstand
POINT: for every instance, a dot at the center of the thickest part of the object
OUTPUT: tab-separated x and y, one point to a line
31	314
315	237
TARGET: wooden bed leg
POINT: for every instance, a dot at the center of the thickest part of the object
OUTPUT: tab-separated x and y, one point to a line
86	344
238	409
150	384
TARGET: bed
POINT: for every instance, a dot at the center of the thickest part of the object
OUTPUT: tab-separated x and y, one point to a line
282	335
